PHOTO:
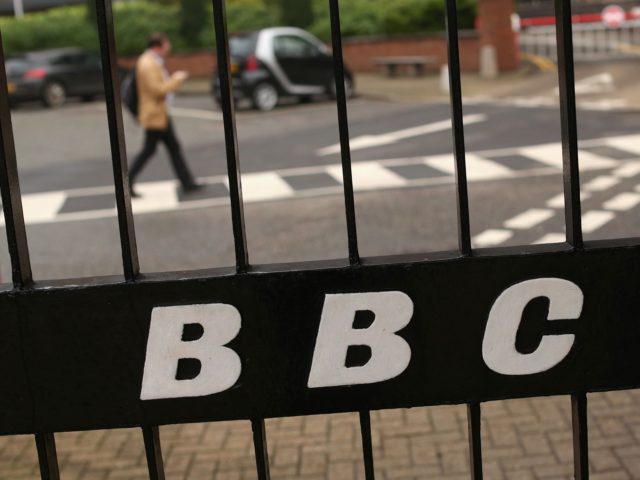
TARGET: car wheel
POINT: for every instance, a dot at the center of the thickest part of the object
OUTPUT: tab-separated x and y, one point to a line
265	97
348	88
54	94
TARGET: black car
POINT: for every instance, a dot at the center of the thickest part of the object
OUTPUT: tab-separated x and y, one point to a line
282	61
54	75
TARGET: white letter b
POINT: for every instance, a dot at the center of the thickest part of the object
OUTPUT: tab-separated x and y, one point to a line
219	366
390	354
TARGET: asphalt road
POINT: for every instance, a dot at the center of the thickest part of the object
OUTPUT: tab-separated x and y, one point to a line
402	205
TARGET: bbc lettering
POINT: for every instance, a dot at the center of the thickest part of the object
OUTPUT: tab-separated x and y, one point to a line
390	354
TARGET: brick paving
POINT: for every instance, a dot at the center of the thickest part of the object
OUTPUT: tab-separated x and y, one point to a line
522	440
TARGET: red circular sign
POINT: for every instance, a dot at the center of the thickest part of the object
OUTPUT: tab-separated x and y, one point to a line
613	16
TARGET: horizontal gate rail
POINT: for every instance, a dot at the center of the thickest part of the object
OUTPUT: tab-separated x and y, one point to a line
101	334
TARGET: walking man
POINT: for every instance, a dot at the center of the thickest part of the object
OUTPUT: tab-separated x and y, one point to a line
155	91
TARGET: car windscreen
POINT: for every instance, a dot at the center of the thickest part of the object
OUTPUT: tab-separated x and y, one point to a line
242	45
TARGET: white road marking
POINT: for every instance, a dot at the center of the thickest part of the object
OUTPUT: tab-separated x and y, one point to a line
368	141
595	219
551	238
629	143
551	154
529	219
195	113
42	207
622	202
603	105
155	197
627	171
368	176
558	200
478	168
264	186
490	237
603	182
600	83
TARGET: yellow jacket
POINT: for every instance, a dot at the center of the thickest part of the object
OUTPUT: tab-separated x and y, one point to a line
153	88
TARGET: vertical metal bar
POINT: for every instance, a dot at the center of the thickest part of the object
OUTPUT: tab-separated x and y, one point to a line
230	136
153	450
367	447
343	127
110	77
475	441
580	436
47	456
260	446
568	123
455	92
10	188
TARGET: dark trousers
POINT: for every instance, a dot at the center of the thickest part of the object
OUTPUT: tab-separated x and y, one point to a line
168	137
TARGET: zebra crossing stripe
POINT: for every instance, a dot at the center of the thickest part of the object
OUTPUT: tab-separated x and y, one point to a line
258	187
369	176
622	202
603	182
529	219
595	219
492	236
304	182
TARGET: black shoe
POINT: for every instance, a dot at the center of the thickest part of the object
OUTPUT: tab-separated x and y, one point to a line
193	187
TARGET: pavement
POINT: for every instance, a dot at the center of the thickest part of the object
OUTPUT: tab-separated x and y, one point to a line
522	439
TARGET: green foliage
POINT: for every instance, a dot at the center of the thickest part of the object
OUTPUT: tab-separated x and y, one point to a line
91	11
383	17
357	17
296	13
135	20
61	27
193	20
246	15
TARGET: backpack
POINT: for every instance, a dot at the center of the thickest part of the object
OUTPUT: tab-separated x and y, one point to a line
129	93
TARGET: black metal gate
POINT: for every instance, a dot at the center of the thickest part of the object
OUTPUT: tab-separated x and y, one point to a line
257	342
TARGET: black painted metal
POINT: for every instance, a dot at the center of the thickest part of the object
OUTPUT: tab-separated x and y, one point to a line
230	136
95	336
153	451
580	436
47	456
455	91
260	447
343	127
10	189
367	447
475	440
569	128
110	76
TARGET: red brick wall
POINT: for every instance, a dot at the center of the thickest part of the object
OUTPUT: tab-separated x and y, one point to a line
200	64
494	20
359	53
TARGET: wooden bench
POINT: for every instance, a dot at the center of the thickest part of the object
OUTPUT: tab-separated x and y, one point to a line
415	64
